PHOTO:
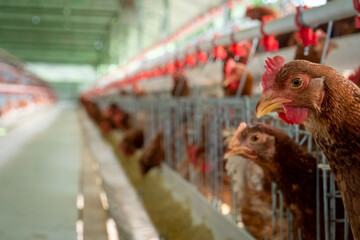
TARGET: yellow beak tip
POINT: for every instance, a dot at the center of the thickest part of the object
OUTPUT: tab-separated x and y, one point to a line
260	113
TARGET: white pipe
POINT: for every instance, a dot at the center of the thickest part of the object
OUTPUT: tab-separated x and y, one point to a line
335	10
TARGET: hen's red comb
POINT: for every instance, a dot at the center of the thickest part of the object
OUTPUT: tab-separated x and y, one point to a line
230	64
355	77
273	65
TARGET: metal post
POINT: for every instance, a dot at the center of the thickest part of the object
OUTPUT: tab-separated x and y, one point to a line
140	24
234	201
332	203
165	20
318	226
346	230
227	12
273	201
243	77
289	218
326	220
281	215
326	45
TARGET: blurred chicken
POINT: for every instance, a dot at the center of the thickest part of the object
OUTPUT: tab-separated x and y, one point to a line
355	77
254	194
133	140
105	126
329	106
345	26
257	13
284	162
92	109
153	154
233	74
314	51
180	82
117	118
138	91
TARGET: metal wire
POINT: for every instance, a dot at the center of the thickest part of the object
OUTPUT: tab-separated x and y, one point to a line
187	122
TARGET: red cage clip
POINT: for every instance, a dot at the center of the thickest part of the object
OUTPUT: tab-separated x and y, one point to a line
156	72
201	56
305	33
269	42
238	49
190	59
219	51
179	64
357	8
170	68
162	70
192	153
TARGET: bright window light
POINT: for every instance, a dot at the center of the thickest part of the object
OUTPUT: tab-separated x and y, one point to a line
309	3
2	132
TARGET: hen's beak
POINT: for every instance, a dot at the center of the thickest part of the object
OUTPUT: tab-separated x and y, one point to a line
245	151
266	105
227	82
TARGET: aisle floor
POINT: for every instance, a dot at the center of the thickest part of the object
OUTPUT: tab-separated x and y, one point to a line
39	177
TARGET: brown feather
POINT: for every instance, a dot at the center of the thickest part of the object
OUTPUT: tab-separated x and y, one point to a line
153	154
336	128
133	140
180	88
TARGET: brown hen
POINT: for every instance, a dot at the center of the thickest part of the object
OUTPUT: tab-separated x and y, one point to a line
257	13
153	154
284	162
234	74
180	87
329	107
132	141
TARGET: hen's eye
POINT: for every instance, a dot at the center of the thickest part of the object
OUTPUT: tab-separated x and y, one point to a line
296	83
254	138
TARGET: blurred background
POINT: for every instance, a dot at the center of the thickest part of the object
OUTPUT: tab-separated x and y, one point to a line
97	96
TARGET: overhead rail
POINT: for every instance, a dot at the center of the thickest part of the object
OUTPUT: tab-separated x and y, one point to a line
335	10
6	88
313	17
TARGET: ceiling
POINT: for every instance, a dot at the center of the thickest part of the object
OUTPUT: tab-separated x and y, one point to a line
56	31
90	31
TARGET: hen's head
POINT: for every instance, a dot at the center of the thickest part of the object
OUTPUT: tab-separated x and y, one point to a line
270	148
294	90
256	142
233	75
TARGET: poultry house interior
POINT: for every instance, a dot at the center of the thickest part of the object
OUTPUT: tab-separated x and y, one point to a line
179	119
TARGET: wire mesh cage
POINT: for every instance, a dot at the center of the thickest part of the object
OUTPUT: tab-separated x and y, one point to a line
193	131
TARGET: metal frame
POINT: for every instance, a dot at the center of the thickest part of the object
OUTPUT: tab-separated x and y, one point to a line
169	115
334	10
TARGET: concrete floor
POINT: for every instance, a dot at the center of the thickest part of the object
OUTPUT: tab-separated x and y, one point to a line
39	178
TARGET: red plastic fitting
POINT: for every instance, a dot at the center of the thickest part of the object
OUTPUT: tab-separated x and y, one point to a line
179	64
170	68
238	49
190	60
269	41
357	8
305	33
219	51
201	56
